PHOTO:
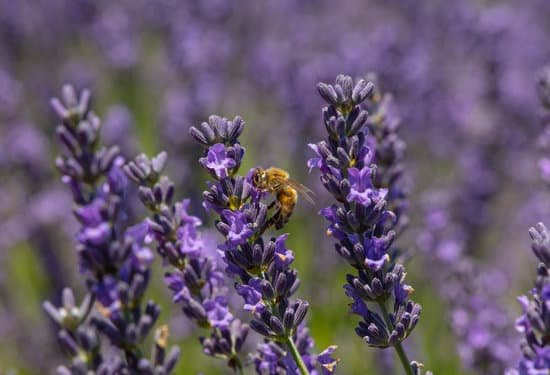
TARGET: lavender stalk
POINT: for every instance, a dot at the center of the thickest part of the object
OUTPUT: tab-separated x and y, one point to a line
262	266
112	258
197	283
383	139
535	321
361	222
544	138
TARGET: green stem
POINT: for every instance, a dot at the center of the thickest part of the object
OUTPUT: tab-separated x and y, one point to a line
290	343
398	347
238	366
297	357
403	358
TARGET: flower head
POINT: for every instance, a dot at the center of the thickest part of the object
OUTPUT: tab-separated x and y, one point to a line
252	295
361	221
238	230
217	312
218	161
361	188
535	321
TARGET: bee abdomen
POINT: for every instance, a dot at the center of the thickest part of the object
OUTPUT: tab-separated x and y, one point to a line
287	199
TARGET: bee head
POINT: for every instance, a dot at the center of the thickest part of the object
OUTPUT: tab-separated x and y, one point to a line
259	178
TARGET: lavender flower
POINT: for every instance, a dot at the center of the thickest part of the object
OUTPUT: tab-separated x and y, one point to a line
384	124
271	359
472	293
114	260
361	223
214	44
544	139
77	338
535	321
266	281
194	279
217	161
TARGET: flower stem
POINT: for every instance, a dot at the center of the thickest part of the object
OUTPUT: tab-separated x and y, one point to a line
398	347
403	358
239	369
290	342
296	355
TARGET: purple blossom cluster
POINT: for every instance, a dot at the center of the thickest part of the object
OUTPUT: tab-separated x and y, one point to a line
266	282
388	148
544	138
473	293
470	125
535	321
360	221
112	257
195	279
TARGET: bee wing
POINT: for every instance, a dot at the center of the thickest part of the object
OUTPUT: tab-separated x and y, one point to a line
302	189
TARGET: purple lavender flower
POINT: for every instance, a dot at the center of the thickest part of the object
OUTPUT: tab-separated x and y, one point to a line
217	161
238	231
375	252
263	266
283	256
267	359
326	360
217	312
535	321
473	293
114	35
544	139
428	77
362	190
195	280
252	295
75	335
384	124
362	224
114	260
271	359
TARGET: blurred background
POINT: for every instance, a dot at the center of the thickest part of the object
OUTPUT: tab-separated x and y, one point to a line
463	78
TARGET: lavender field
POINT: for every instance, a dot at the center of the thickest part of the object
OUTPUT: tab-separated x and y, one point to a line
275	187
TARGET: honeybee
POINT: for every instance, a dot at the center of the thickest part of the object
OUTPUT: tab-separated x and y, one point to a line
278	181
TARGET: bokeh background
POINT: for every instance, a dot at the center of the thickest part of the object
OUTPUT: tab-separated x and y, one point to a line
463	75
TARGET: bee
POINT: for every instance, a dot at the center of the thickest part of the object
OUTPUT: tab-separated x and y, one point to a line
277	181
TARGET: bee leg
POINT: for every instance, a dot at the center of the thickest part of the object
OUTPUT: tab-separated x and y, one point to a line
279	224
279	219
275	219
272	204
269	223
270	220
